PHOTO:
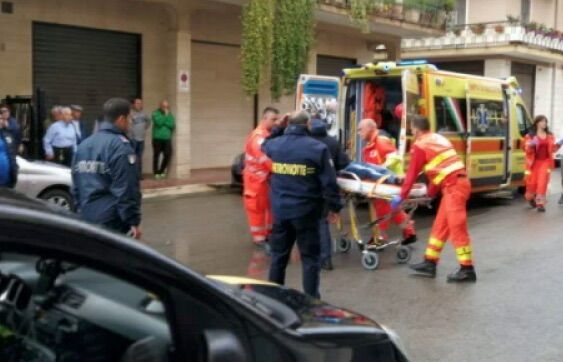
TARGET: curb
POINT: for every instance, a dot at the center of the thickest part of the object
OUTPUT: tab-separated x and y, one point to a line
183	190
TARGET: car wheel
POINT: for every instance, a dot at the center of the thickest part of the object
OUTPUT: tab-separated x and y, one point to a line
58	197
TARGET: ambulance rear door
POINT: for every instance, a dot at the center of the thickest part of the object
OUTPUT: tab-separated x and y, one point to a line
411	100
488	134
320	95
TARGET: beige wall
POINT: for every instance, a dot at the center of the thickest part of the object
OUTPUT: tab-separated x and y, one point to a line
16	38
488	11
150	20
543	12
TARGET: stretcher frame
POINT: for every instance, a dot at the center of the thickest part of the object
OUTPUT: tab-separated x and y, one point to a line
370	257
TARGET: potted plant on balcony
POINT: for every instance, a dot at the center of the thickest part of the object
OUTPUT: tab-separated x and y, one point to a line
412	11
397	9
499	28
478	29
512	20
531	27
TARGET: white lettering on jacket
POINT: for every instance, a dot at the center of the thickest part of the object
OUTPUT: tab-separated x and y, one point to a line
97	167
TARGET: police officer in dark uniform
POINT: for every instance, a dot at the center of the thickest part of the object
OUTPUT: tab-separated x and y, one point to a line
105	174
303	180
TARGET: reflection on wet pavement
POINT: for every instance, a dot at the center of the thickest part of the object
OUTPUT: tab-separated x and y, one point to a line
512	313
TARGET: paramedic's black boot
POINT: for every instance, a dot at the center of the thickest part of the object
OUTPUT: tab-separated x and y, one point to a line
425	269
411	239
541	208
533	203
326	264
464	274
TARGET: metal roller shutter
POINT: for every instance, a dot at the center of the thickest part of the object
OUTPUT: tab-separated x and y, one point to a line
476	67
85	66
332	66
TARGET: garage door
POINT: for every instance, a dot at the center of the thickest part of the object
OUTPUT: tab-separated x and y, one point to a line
222	116
332	66
85	66
476	67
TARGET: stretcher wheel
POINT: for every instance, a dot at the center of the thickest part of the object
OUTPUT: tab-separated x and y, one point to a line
370	260
343	245
403	254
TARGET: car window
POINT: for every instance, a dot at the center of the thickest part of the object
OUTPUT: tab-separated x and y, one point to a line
524	122
450	115
57	311
488	118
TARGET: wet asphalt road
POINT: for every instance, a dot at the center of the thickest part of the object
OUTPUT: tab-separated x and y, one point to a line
513	313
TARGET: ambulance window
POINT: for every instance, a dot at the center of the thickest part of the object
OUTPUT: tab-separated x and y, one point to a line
524	122
488	119
450	115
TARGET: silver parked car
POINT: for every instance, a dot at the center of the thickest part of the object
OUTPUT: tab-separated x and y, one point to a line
45	180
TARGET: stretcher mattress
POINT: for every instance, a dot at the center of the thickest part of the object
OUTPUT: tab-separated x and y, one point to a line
370	188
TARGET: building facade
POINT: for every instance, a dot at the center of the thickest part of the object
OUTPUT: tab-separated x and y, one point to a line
186	51
523	38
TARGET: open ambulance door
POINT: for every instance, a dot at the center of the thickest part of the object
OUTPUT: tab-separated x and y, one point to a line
320	95
488	135
411	101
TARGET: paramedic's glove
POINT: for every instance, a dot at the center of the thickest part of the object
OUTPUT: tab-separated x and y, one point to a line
396	202
560	142
533	142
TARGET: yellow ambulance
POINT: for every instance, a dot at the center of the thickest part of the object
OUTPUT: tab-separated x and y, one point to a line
484	118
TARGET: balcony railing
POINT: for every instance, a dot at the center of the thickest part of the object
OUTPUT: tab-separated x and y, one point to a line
428	15
490	34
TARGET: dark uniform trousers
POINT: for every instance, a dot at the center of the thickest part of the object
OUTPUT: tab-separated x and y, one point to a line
304	230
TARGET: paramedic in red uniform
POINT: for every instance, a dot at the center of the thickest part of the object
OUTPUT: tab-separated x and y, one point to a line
378	146
256	173
539	146
445	171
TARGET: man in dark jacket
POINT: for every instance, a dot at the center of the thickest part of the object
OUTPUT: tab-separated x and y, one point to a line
303	182
318	130
8	164
105	174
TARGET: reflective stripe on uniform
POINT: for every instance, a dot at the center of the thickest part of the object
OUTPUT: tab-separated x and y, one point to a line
432	253
258	238
463	250
255	229
448	170
437	243
464	255
439	159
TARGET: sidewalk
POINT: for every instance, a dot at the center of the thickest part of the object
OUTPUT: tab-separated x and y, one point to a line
200	181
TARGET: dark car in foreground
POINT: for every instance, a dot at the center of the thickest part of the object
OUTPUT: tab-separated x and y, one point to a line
70	291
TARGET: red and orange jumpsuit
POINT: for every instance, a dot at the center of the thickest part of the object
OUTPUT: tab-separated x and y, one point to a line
539	163
374	103
375	152
435	155
256	173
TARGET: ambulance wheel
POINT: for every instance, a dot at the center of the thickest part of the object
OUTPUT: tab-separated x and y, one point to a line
370	260
403	254
343	245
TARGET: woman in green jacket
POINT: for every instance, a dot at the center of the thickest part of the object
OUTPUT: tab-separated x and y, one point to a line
163	127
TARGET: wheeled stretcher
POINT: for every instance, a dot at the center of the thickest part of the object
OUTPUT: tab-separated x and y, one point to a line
352	187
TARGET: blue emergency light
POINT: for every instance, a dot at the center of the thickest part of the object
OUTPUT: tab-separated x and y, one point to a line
413	62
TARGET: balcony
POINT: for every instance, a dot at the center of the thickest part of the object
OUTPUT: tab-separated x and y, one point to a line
509	36
388	17
430	15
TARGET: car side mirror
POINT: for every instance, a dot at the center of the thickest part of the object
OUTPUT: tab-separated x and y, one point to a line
224	346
